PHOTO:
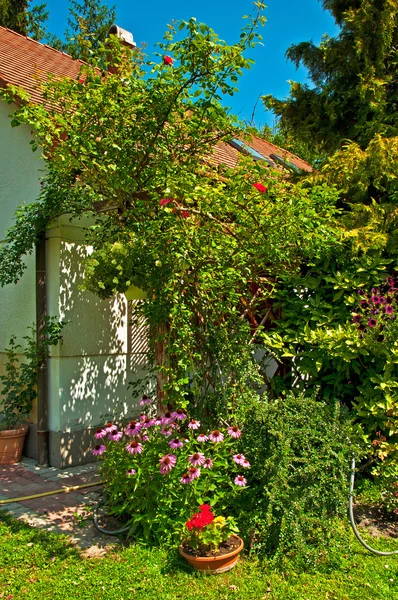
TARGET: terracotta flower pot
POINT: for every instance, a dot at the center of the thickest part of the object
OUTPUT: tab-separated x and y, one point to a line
11	444
214	564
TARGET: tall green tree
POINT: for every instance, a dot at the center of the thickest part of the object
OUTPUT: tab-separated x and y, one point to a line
88	26
24	19
354	87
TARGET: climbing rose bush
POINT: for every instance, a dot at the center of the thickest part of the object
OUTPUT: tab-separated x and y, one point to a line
158	468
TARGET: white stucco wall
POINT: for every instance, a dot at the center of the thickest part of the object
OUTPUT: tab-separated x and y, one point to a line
101	353
19	184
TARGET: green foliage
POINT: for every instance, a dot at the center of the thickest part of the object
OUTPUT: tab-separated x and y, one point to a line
19	381
22	18
88	25
206	537
298	483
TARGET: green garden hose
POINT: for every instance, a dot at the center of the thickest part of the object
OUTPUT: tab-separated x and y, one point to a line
352	520
72	488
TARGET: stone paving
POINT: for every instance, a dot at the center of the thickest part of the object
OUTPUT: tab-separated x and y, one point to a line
68	513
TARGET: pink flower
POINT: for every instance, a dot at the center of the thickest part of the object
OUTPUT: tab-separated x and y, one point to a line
179	414
202	438
193	424
197	459
144	438
389	309
239	459
234	432
100	433
240	480
167	418
109	427
166	432
99	449
245	463
115	436
134	447
165	201
131	472
145	400
148	422
208	463
186	478
133	428
216	436
167	463
167	60
194	473
372	322
175	443
260	187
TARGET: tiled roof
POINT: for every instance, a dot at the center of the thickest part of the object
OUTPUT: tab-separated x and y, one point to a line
23	61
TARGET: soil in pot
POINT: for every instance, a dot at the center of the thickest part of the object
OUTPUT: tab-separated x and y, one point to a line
231	544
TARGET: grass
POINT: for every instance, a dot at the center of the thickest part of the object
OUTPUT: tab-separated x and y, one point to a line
35	564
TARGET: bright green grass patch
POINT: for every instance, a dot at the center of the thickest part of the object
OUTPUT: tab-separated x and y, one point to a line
35	565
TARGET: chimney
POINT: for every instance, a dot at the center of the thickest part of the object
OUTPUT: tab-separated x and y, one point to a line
124	36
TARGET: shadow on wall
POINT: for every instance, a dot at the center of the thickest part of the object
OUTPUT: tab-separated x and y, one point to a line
101	353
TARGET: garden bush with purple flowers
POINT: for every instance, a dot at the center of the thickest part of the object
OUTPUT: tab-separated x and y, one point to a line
159	468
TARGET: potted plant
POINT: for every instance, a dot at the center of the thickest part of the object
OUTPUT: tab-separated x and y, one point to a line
213	545
19	389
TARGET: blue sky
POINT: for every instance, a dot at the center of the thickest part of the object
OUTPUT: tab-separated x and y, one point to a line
288	22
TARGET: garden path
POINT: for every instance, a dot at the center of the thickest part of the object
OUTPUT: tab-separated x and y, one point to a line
67	513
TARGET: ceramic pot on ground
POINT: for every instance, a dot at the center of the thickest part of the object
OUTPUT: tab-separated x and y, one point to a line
214	564
11	444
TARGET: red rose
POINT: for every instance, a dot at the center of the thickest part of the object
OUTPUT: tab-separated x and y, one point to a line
184	214
165	201
167	60
260	187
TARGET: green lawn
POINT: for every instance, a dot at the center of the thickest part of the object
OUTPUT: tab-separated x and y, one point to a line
37	565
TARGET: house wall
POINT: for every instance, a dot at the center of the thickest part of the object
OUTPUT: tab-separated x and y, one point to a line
89	373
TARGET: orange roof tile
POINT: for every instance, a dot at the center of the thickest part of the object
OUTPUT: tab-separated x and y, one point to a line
23	61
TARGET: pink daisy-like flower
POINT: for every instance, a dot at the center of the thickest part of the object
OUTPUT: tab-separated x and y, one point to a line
145	400
389	309
202	438
179	414
197	459
175	443
134	447
144	438
239	458
194	472
158	420
148	422
234	432
115	436
216	436
110	427
165	201
208	463
167	463
100	433
167	60
133	428
99	449
131	472
186	478
260	187
142	417
240	480
193	424
167	418
245	463
166	432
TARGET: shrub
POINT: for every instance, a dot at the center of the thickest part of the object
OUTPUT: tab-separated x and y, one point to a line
298	485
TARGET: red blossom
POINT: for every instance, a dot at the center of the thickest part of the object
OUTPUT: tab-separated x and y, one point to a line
201	519
165	201
167	60
184	214
260	187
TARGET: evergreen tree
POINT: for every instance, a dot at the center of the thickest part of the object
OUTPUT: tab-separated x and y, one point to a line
18	16
88	26
355	86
